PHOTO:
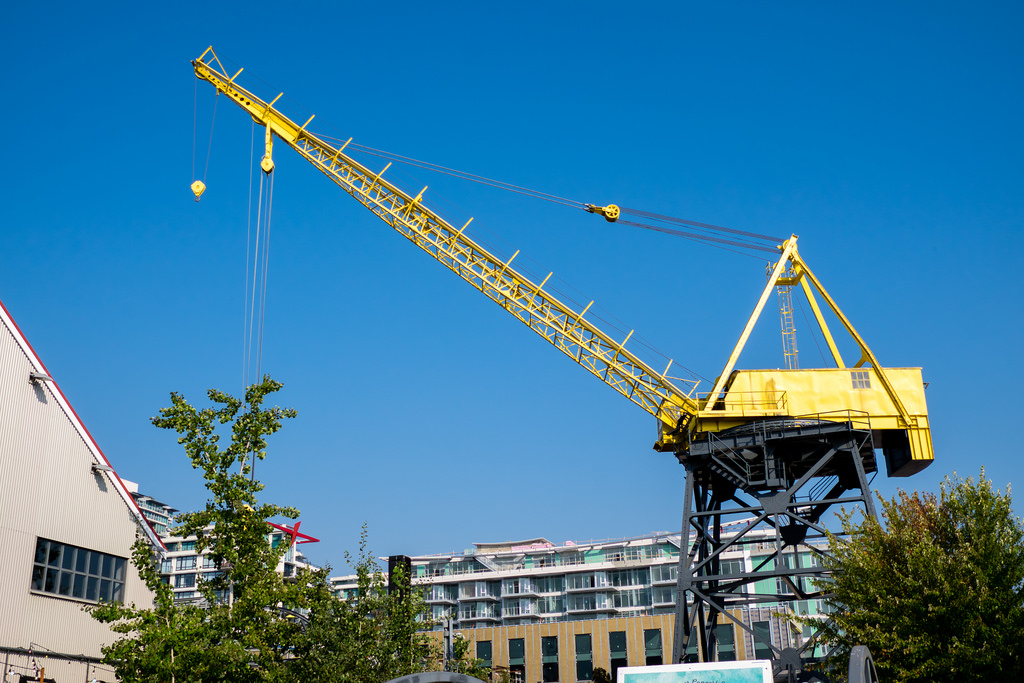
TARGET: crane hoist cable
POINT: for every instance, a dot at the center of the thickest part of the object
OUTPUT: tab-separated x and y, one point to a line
728	237
472	177
256	272
740	238
195	107
257	293
246	334
199	186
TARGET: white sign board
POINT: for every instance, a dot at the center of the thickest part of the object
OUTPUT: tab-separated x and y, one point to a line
753	671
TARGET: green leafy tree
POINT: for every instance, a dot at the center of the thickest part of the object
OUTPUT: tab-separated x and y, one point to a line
239	634
370	638
936	592
166	642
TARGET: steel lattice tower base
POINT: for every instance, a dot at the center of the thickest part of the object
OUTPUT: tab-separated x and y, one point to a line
769	483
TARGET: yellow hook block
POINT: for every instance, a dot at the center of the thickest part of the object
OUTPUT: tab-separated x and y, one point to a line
198	188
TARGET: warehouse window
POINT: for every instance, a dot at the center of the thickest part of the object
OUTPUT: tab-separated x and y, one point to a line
861	379
79	573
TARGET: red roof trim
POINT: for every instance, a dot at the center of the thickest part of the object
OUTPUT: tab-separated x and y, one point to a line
122	489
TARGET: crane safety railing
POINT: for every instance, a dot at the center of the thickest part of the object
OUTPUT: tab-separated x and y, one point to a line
748	403
822	487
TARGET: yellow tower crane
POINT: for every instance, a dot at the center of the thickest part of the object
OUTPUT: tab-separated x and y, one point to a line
758	435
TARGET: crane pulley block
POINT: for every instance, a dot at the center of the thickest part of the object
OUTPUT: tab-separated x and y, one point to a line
611	212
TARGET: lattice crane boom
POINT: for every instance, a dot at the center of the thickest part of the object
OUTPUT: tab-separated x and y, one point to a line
569	330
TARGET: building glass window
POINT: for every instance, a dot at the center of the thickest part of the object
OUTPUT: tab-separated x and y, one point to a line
588	580
632	598
617	650
549	658
517	587
184	581
786	588
692	654
762	639
730	567
584	657
572	558
550	584
186	562
630	577
516	651
587	602
665	596
80	573
517	659
551	604
652	646
726	634
484	652
665	572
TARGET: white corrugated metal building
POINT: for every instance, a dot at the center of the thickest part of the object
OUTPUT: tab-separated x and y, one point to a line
67	524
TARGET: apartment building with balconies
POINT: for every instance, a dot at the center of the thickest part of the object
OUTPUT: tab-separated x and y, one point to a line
553	612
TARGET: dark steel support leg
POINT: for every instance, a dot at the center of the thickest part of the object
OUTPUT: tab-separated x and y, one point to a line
775	480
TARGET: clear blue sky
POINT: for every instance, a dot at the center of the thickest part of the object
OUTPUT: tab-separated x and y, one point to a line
887	135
